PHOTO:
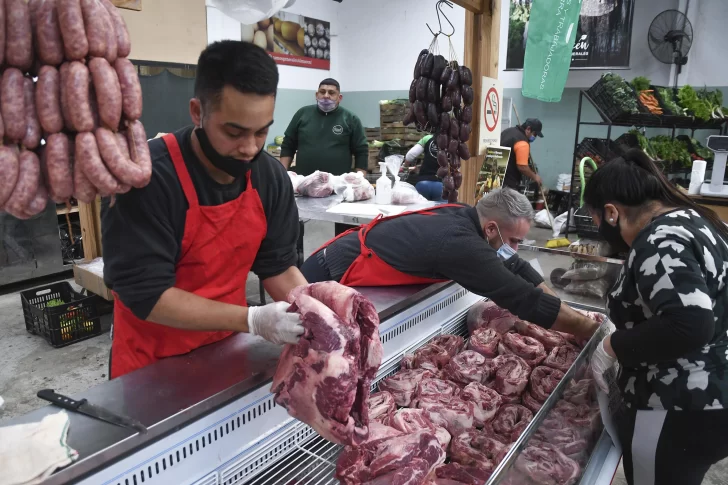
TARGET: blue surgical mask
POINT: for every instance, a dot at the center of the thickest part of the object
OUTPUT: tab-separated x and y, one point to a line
326	105
531	139
505	252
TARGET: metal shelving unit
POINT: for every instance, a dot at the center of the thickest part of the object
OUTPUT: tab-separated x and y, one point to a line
641	120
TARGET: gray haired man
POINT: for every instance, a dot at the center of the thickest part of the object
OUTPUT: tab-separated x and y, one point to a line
473	246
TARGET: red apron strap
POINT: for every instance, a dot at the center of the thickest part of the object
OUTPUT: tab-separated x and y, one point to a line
179	165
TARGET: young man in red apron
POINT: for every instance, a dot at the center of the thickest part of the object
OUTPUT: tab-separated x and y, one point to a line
177	253
473	246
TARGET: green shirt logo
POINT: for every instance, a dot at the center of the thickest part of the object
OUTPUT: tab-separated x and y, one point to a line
338	130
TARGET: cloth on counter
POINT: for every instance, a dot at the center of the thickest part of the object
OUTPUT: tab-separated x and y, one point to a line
29	453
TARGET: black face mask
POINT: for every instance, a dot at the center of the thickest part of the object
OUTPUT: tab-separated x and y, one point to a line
612	235
232	166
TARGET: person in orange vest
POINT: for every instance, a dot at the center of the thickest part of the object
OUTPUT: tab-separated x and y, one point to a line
473	246
177	252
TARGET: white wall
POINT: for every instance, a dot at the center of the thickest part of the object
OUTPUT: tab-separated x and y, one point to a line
220	27
380	40
707	64
642	62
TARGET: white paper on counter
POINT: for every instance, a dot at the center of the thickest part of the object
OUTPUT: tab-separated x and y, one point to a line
366	210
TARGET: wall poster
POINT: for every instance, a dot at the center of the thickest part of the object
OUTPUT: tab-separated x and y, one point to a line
493	170
603	36
293	40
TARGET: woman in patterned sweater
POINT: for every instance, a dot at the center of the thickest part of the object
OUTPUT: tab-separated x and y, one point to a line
670	307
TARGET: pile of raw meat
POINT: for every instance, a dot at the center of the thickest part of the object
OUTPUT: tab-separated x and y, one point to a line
351	186
75	131
325	379
474	400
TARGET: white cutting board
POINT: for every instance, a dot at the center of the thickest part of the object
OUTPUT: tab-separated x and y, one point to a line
366	210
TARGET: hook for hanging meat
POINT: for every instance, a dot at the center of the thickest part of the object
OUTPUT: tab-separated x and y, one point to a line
438	10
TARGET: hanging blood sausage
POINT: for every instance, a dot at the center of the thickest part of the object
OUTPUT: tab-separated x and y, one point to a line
467	92
413	91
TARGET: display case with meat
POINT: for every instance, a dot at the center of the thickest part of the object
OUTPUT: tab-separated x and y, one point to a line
580	392
457	474
407	459
547	466
432	357
543	381
403	385
548	338
485	341
561	357
509	422
435	390
466	367
567	440
527	348
453	344
378	431
458	414
486	314
509	377
486	402
411	420
381	407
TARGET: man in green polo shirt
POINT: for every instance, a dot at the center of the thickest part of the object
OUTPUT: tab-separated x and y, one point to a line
325	135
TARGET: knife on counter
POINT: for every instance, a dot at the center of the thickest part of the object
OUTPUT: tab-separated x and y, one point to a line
84	407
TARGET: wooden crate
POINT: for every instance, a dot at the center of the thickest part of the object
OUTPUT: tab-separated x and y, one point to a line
373	134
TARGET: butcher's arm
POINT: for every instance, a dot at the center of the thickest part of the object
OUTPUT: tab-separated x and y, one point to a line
184	310
546	289
575	323
279	286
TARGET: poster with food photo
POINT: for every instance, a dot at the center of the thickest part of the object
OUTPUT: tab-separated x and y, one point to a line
493	170
293	40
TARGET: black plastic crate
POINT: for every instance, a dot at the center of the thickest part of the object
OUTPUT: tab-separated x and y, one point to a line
72	317
615	113
598	149
585	226
661	100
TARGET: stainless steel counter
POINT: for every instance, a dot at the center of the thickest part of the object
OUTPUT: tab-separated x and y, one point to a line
176	391
315	209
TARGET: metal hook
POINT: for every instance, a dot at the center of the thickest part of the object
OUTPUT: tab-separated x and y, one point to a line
438	10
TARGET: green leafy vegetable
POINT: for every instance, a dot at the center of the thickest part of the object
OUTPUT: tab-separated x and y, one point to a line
620	92
689	99
703	152
671	150
644	143
641	83
667	97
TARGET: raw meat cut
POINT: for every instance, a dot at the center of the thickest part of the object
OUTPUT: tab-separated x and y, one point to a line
561	357
543	381
509	376
566	440
431	357
548	338
548	466
318	184
403	460
466	367
584	417
486	314
403	385
436	390
486	402
485	341
453	344
408	362
325	379
381	407
456	474
411	420
478	449
527	348
378	431
580	392
510	421
530	402
573	340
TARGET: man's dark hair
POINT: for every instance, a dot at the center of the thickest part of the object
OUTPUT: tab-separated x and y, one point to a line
241	65
330	82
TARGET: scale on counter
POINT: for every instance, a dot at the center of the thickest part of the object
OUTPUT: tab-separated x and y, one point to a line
716	187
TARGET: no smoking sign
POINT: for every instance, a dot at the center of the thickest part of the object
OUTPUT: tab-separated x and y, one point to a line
492	109
490	114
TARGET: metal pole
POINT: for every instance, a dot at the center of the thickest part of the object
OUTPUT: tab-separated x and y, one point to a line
573	161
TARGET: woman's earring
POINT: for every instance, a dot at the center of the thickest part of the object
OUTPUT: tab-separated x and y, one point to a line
611	220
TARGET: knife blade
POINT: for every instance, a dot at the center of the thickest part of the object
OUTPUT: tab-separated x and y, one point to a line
84	407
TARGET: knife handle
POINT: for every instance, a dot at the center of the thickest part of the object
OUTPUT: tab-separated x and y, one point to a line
60	400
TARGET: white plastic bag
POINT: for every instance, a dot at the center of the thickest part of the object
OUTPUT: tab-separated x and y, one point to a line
249	12
295	180
353	187
542	219
394	163
406	194
560	222
318	184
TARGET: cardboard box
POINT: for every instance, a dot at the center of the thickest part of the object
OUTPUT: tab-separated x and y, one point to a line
89	275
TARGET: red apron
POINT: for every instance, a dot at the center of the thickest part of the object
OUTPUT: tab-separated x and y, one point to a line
368	269
218	249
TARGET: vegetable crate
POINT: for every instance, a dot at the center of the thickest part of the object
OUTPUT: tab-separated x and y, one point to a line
613	110
599	149
373	134
60	314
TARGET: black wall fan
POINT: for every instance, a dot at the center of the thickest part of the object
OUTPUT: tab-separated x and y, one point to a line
670	37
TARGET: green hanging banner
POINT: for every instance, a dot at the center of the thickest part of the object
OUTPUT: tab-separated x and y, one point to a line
551	36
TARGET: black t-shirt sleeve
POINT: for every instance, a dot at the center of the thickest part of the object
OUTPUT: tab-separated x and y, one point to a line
140	241
277	252
465	258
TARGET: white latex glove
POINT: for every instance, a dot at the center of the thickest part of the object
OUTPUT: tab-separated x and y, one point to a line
601	362
274	323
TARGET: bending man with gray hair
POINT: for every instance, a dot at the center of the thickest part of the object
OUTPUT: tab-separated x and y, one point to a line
473	246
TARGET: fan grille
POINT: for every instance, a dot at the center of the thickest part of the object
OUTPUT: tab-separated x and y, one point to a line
670	36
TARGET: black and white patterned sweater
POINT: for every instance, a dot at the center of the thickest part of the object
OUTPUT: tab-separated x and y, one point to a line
670	307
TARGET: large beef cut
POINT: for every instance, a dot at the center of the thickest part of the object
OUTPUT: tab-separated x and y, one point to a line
410	420
510	421
543	381
561	357
318	184
548	338
580	392
436	390
453	344
325	379
403	385
378	431
585	418
466	367
441	397
403	460
485	341
381	407
531	402
486	314
547	466
567	440
486	402
476	448
527	348
456	474
509	376
432	357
